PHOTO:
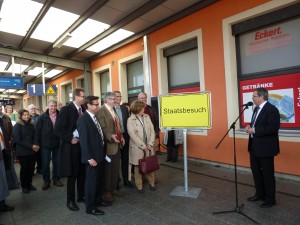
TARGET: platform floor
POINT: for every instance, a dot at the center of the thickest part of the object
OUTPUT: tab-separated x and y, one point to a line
161	208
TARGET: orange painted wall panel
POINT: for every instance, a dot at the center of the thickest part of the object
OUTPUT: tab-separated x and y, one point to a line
209	20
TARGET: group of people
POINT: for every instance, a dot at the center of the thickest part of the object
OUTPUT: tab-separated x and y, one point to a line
89	143
95	141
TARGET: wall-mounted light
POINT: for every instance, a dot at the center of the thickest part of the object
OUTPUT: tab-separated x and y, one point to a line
62	40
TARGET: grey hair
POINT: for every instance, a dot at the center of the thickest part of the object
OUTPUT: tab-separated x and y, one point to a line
52	100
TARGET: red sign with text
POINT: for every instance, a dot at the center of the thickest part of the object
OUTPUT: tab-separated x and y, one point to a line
284	93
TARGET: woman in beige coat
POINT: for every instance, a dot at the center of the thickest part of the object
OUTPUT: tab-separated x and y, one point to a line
142	137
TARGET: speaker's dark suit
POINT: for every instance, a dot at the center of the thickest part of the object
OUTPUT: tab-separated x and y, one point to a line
92	147
263	146
69	158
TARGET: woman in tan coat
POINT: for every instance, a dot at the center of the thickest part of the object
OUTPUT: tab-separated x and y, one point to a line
142	137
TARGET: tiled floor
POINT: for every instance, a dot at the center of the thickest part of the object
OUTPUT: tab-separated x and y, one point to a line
159	207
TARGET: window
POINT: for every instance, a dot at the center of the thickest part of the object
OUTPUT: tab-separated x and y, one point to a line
183	67
135	79
268	55
104	83
80	83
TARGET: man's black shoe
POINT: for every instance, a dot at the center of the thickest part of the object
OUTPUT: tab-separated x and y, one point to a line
80	200
32	188
128	184
255	198
6	208
72	206
26	190
267	204
96	212
103	203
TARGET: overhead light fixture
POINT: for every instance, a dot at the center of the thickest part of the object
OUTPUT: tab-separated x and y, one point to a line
62	40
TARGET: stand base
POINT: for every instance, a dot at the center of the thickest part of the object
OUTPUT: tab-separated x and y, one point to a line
191	193
237	210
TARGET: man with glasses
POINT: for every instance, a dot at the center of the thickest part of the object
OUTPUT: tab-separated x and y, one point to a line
93	151
110	124
69	159
263	146
123	114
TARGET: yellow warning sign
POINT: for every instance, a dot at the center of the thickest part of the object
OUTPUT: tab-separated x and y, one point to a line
188	110
50	91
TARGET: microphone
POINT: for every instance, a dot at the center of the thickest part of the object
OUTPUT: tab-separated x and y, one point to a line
248	104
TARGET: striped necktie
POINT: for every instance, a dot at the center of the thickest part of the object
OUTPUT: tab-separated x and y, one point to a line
99	128
254	116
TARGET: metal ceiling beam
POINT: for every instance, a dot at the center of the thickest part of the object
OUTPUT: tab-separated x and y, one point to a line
36	22
44	58
90	11
95	7
193	8
121	23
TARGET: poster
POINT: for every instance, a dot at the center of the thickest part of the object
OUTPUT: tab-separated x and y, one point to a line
284	93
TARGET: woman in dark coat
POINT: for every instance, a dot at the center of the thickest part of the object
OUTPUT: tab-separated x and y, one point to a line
26	149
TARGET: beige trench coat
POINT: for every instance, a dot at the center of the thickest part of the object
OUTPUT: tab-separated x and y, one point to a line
136	143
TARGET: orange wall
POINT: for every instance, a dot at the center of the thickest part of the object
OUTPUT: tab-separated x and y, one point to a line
123	52
209	20
203	147
69	76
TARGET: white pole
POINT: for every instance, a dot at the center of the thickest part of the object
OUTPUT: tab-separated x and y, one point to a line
186	189
43	78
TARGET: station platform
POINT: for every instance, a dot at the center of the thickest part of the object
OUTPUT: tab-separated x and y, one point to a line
159	207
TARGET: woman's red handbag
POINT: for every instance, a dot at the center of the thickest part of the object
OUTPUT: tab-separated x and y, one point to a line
148	164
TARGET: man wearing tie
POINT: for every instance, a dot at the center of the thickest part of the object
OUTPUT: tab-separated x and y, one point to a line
123	115
111	128
93	154
69	157
263	146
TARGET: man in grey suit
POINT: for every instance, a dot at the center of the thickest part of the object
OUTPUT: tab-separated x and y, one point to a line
93	153
263	146
110	125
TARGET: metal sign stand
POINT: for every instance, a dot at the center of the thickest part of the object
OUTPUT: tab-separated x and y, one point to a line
185	191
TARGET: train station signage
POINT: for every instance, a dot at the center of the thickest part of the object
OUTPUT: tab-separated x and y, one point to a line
11	82
37	89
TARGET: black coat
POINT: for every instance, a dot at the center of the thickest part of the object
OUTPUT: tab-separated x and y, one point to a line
44	134
91	142
23	134
265	141
64	126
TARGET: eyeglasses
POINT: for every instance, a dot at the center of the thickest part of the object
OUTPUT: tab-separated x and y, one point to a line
81	96
112	98
95	104
255	96
118	96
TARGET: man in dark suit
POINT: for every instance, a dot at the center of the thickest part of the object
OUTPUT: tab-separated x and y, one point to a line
69	157
263	146
123	114
111	128
93	154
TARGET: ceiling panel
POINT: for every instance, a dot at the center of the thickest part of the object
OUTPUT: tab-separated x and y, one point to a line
111	13
178	5
157	14
137	25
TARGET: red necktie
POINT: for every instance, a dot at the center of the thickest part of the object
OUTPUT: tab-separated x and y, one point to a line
80	112
2	141
118	129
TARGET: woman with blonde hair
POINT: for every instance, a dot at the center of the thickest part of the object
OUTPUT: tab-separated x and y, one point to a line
142	137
